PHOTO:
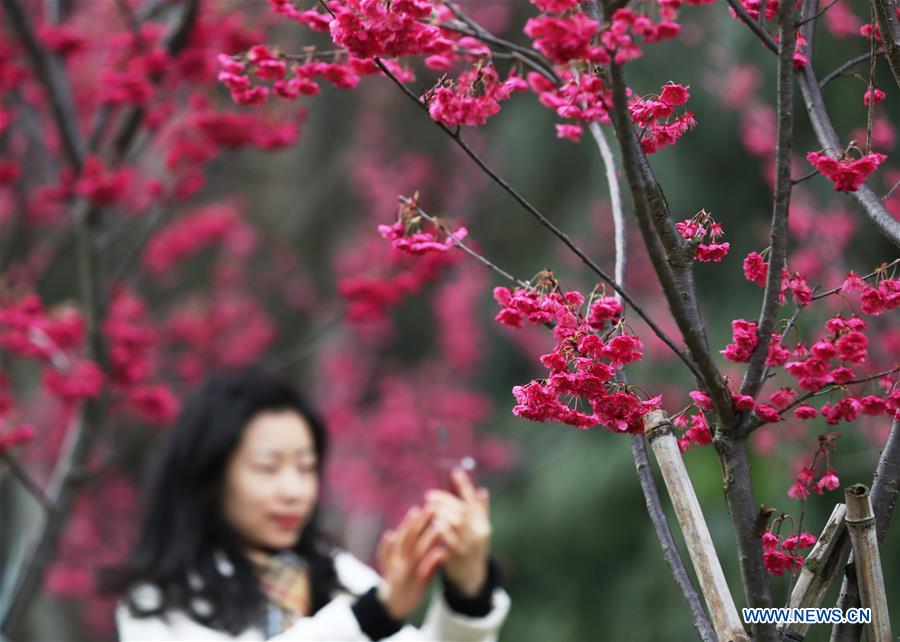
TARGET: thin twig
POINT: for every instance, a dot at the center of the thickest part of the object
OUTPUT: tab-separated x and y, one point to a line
820	13
890	191
797	181
843	68
755	27
465	248
756	423
864	278
514	50
870	90
667	541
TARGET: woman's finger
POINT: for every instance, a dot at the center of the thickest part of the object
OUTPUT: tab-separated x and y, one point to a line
429	538
484	498
407	526
385	547
430	564
446	501
463	484
450	512
418	523
444	497
450	537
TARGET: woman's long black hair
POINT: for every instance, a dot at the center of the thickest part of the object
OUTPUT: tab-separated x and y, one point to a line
182	528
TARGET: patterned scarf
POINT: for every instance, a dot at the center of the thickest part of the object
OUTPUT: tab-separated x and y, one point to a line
284	579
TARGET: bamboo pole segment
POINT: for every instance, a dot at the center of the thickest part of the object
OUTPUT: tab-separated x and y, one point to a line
819	569
722	610
861	523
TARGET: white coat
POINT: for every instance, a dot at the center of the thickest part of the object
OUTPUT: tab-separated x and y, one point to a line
334	622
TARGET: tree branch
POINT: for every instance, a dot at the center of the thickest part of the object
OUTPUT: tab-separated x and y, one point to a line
465	248
52	74
738	488
839	71
666	250
778	233
886	15
666	540
755	27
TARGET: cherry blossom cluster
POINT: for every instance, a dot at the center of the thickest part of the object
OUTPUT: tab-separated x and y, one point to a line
386	28
654	116
566	38
874	300
845	172
242	75
828	479
194	231
373	288
100	185
756	270
225	328
55	339
590	348
473	97
132	348
778	561
696	427
619	38
697	230
413	234
580	97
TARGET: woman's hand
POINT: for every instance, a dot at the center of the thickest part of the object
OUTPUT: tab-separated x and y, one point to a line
465	527
409	556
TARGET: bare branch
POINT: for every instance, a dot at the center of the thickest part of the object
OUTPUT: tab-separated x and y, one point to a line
667	541
755	27
843	68
886	15
465	248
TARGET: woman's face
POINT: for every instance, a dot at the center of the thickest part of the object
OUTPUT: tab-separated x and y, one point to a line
271	482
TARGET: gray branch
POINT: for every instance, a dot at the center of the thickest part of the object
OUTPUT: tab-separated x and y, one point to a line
778	233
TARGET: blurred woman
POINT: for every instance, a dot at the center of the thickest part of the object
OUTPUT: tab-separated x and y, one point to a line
230	546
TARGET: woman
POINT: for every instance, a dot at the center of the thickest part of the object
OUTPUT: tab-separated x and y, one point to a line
230	547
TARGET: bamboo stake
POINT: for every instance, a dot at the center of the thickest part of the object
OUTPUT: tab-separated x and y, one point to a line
722	610
819	569
861	523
